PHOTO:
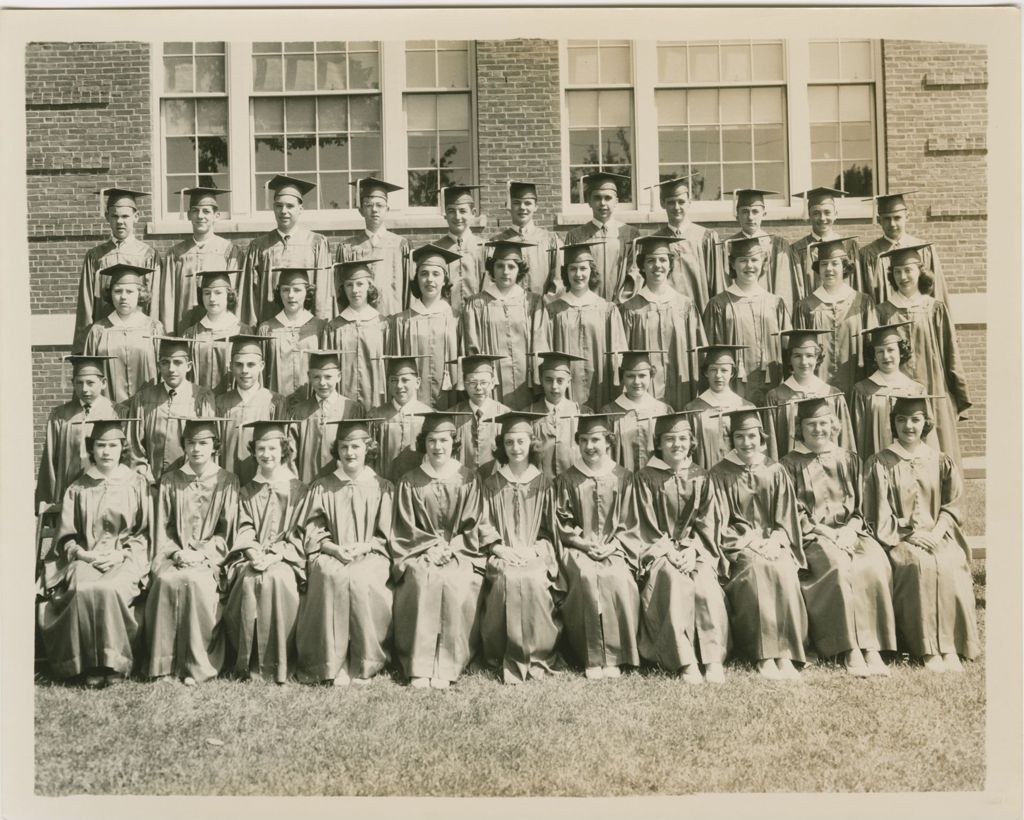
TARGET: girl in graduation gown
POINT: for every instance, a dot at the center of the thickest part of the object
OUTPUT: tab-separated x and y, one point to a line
581	323
684	618
195	526
873	397
805	353
912	494
934	352
357	333
127	334
214	329
834	305
777	274
344	527
520	624
264	569
660	318
635	410
592	508
428	329
97	565
506	319
848	583
293	332
746	314
759	534
437	565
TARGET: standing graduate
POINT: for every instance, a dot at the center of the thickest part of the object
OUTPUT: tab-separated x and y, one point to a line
125	336
659	318
97	565
292	332
848	583
834	305
464	252
614	248
873	397
437	564
684	619
593	500
343	632
120	210
635	409
400	418
428	329
246	401
712	439
264	569
357	333
477	428
287	246
934	352
555	428
507	320
174	295
760	536
747	315
520	623
541	252
776	274
822	213
195	526
386	253
312	437
582	323
912	498
214	328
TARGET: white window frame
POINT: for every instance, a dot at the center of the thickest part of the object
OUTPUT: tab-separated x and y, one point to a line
645	148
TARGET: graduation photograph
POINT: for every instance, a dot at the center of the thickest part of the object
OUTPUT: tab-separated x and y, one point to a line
438	412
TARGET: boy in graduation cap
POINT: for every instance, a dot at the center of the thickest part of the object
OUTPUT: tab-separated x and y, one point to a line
542	254
174	295
466	266
155	442
401	417
478	430
390	252
777	272
247	400
217	322
822	212
892	214
64	454
120	210
636	409
555	430
289	245
601	191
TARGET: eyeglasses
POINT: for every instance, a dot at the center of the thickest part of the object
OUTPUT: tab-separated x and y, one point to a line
478	383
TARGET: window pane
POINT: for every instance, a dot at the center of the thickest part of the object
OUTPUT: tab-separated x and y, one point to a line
179	117
583	146
365	150
301	153
428	45
174	184
615	66
453	69
266	73
332	191
332	114
582	108
330	72
858	141
824	103
454	150
703	64
451	45
422	188
299	114
736	63
181	155
672	64
213	117
858	179
421	112
178	48
735	104
363	70
766	104
209	48
422	150
771	176
362	45
704	145
419	69
768	62
617	146
827	174
671	106
703	105
824	142
824	59
706	185
210	74
364	113
453	112
855	103
769	142
626	185
213	154
298	48
582	66
737	176
298	73
616	108
269	154
672	145
736	145
856	61
334	153
575	175
178	74
268	115
266	48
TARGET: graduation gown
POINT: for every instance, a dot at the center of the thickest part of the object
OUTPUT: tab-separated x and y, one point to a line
555	435
591	328
777	274
64	455
287	368
312	438
155	444
873	399
509	325
848	594
360	338
92	304
543	258
260	405
634	432
260	609
396	437
391	275
769	619
696	270
183	628
713	432
602	607
934	362
874	269
89	621
933	595
302	249
133	348
478	434
211	358
433	333
436	607
666	321
175	289
754	320
466	274
614	258
803	258
520	624
345	616
787	429
684	618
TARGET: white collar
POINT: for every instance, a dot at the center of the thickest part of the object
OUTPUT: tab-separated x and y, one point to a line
379	235
209	239
610	226
139	317
364	314
184	389
297	233
680	229
843	293
658	298
923	451
660	464
753	293
571	406
898	379
528	475
282	475
365	476
731	399
300	319
121	471
487	409
815	387
414	406
901	301
524	230
246	395
648	402
589	298
803	449
734	457
465	239
439	307
515	293
229	321
449	470
334	397
602	470
211	469
761	233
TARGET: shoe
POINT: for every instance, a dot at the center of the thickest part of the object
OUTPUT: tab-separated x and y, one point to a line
876	666
691	675
188	680
113	678
362	681
933	663
439	683
342	678
94	681
855	665
420	683
952	662
714	673
786	669
594	672
767	669
612	672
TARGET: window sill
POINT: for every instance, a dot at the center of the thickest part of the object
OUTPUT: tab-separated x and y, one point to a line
310	220
719	212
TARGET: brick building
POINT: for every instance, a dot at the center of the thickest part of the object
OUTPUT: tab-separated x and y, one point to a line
874	116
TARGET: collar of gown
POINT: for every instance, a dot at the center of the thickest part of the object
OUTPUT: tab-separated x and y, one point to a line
666	295
440	307
680	229
412	406
297	234
489	409
565	406
528	475
120	473
211	469
379	235
606	468
364	314
468	238
753	293
248	395
729	399
514	295
182	390
901	301
660	464
449	470
282	475
137	319
365	476
923	451
814	386
300	319
611	226
648	402
897	379
589	298
803	449
230	323
843	292
734	457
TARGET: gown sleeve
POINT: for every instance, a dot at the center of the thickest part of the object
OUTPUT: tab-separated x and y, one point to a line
879	515
956	383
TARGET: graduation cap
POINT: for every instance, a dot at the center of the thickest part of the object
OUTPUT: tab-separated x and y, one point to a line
264	429
743	246
205	427
907	253
751	196
745	418
880	334
294	276
354	428
454	194
442	420
215	278
800	335
596	423
667	422
122	274
243	344
633	359
815	196
474	361
371	186
354	269
323	359
889	203
831	248
167	346
114	197
107	428
667	187
715	353
557	360
404	363
504	248
644	245
518	418
198	197
601	180
515	189
576	251
430	252
82	365
283	185
905	405
809	408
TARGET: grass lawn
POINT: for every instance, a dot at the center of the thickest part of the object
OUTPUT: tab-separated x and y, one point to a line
645	733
